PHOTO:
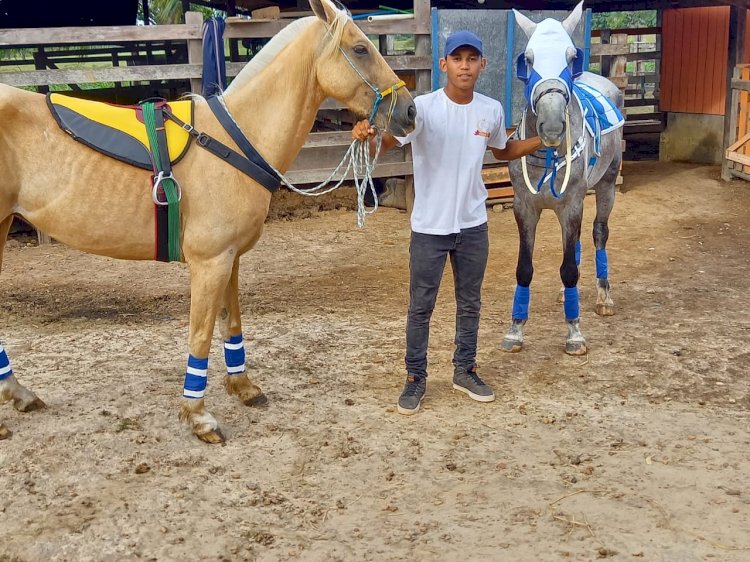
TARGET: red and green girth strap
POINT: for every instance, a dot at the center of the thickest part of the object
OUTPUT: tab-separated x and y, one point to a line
163	178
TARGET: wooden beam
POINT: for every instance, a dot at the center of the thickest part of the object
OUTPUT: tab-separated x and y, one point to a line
609	49
739	143
380	171
423	43
495	174
738	84
195	51
51	36
505	192
86	76
738	157
737	30
629	31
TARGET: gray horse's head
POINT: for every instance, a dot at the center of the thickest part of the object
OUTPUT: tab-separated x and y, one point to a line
548	67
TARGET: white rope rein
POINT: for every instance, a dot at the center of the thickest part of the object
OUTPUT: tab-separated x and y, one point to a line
357	159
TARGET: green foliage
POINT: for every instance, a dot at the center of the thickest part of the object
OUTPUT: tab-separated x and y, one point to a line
170	11
622	20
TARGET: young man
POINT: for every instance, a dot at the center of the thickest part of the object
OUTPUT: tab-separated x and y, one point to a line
454	128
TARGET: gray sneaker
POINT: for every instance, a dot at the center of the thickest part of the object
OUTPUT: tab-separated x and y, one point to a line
467	380
412	395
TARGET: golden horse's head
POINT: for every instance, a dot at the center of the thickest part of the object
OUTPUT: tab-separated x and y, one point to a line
352	71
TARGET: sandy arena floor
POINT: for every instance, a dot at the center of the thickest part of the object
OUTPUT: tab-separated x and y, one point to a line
638	452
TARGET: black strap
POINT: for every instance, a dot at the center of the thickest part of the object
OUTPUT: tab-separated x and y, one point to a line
237	135
269	180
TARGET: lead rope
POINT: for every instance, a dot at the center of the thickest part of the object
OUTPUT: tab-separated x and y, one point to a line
358	160
357	157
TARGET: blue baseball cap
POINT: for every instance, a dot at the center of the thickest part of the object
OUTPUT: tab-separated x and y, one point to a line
462	39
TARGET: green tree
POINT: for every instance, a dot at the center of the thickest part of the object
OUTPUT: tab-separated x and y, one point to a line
170	11
622	20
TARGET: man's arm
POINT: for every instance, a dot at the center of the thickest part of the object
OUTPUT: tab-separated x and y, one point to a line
517	148
363	131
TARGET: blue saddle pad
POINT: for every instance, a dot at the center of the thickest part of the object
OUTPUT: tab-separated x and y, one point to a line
600	113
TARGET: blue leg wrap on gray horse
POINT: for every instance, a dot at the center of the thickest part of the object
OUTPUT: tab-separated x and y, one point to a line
5	370
234	355
196	377
601	264
571	303
521	303
578	253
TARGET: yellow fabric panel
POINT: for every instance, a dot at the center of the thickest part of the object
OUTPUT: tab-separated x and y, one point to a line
124	119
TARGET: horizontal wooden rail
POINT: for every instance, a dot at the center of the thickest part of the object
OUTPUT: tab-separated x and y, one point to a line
54	36
609	49
102	74
628	31
319	174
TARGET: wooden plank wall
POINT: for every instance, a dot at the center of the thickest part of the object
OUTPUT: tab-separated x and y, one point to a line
737	162
694	60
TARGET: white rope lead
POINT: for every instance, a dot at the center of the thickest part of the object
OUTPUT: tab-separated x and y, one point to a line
357	159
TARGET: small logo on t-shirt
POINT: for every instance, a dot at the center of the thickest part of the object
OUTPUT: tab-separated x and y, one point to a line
483	128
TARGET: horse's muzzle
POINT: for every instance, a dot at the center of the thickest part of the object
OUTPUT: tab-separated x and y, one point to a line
551	132
403	119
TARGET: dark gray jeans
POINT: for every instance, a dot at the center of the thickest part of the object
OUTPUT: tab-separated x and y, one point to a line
468	252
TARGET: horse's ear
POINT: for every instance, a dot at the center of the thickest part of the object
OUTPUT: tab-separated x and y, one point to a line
525	23
324	9
572	20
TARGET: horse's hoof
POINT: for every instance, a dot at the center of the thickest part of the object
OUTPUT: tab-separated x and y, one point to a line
576	348
511	346
211	436
605	309
260	400
4	432
35	404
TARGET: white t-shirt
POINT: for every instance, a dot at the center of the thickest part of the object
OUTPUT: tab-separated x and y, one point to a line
448	146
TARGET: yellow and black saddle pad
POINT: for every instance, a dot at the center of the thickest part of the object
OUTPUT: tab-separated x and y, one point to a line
119	130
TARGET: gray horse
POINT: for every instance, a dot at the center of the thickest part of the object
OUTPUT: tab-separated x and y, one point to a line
583	152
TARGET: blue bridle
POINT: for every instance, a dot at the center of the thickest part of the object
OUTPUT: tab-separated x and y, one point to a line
531	79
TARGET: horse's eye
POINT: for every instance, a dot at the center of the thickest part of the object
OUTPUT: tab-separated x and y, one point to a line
360	49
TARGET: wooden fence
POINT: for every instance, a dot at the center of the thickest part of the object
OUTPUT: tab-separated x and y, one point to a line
617	51
154	54
736	162
322	150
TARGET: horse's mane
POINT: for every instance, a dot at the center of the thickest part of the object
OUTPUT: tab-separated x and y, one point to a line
280	41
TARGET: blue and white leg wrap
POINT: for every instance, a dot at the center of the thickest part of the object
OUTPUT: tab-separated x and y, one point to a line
578	253
571	303
521	303
234	355
601	264
5	370
196	377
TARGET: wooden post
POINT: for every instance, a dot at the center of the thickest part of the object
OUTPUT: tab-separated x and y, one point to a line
737	31
618	70
195	50
423	44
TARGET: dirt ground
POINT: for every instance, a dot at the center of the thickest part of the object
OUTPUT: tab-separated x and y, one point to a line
638	451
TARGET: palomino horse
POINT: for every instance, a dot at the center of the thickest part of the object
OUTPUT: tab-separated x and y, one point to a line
103	206
558	94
